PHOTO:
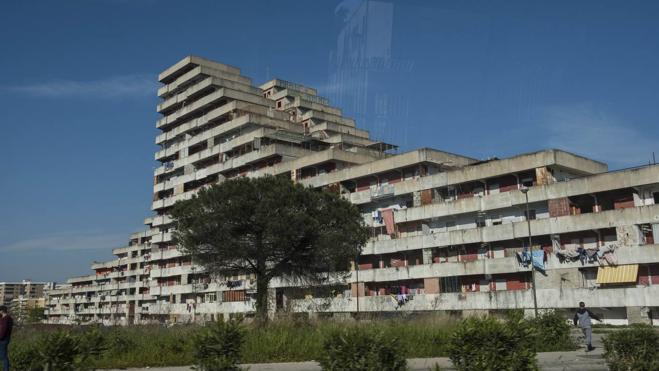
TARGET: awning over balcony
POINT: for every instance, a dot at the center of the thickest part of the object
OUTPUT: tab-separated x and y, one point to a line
619	274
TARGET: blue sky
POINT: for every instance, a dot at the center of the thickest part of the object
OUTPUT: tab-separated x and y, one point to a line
483	78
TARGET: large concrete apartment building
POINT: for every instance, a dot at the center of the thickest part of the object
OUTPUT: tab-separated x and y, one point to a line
449	232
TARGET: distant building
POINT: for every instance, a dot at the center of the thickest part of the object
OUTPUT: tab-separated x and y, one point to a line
24	295
26	289
449	232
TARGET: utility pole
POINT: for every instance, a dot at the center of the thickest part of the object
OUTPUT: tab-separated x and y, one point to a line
525	190
357	279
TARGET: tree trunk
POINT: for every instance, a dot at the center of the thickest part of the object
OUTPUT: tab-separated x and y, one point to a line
262	297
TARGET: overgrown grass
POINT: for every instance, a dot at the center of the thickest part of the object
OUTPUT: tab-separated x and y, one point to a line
279	341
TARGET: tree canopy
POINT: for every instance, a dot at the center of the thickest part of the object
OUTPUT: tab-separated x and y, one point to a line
269	227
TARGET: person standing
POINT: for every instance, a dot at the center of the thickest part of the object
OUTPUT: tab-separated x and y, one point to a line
582	318
6	325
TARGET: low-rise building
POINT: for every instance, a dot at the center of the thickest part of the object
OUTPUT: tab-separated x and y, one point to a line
449	232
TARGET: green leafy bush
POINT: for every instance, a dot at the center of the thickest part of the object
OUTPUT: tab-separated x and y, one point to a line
358	349
552	333
24	356
636	348
57	351
218	346
490	344
119	342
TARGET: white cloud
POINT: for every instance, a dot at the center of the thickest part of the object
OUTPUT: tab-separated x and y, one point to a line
597	134
114	87
86	240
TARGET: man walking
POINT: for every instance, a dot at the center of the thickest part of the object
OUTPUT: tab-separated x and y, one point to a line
6	325
582	319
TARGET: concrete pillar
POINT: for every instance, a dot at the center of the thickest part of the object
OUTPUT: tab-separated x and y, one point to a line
425	229
431	285
638	315
628	235
353	289
416	198
427	256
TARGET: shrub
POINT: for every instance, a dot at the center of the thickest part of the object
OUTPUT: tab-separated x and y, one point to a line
57	351
118	342
489	344
636	348
357	349
60	351
218	347
552	333
91	346
24	357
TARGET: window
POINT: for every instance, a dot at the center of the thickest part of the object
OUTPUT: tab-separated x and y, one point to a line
449	284
656	197
530	216
527	182
211	297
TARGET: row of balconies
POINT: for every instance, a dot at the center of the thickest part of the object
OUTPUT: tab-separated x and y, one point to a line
587	185
222	93
181	98
646	254
200	308
178	115
97	299
121	261
233	163
492	300
196	123
197	74
516	230
461	175
626	255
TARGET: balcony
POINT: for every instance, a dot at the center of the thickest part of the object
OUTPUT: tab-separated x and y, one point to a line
519	230
493	300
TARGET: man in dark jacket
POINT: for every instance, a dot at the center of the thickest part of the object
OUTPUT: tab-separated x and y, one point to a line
582	319
6	325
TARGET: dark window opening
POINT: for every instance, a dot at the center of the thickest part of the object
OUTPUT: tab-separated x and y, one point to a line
530	215
449	284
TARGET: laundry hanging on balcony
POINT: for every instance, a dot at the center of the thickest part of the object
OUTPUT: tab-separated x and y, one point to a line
539	259
388	216
524	257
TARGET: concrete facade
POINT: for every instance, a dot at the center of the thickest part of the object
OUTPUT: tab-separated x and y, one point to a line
448	231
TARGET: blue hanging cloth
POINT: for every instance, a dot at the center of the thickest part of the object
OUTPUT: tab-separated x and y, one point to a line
539	260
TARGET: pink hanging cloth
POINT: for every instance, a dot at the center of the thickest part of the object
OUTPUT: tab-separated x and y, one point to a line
388	216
